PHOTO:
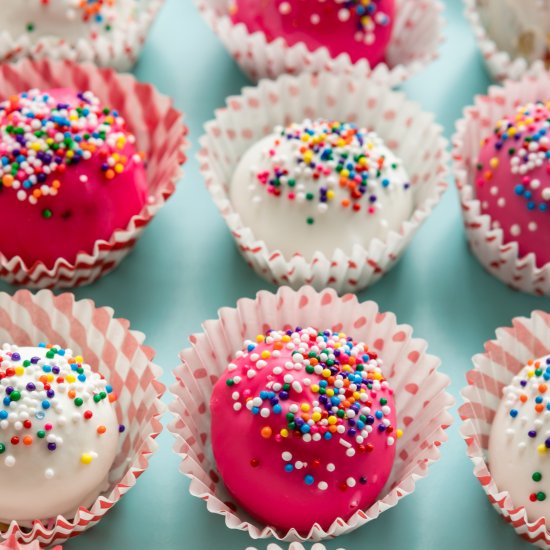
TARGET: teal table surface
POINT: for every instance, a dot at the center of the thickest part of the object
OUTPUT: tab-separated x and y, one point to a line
186	267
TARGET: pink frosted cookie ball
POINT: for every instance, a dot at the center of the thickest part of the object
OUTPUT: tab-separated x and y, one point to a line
513	179
303	428
70	175
360	29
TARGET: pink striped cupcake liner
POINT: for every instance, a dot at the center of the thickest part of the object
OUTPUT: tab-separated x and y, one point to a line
116	352
422	402
119	50
417	35
292	546
504	357
405	128
159	133
13	544
498	257
500	64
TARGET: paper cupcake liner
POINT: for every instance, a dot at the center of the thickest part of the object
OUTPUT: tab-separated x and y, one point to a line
293	546
417	35
408	131
119	50
504	357
500	64
118	353
159	133
421	400
13	544
499	257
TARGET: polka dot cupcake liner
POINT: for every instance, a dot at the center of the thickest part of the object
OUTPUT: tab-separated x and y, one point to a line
499	258
159	132
421	400
119	50
119	354
504	357
500	64
417	35
410	133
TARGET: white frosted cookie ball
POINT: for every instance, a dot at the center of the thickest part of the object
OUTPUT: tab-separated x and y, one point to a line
58	433
69	20
519	444
321	186
519	27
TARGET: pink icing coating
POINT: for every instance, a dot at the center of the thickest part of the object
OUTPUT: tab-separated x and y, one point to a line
340	26
254	445
513	180
88	206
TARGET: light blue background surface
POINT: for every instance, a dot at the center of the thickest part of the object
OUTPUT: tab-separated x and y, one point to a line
186	267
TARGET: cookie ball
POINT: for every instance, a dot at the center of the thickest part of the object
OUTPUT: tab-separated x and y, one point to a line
360	29
519	444
513	179
314	422
58	433
321	186
72	21
70	175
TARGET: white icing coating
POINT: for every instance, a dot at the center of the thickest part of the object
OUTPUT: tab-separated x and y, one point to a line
69	20
39	482
303	219
519	444
519	27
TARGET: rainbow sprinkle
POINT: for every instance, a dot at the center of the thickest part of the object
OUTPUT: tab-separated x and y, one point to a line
40	138
367	14
336	159
28	389
337	399
531	390
524	136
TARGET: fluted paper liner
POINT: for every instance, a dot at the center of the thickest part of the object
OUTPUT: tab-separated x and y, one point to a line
118	353
159	132
417	34
499	257
500	64
421	400
119	50
409	132
504	357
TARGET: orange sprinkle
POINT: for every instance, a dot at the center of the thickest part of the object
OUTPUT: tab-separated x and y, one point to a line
101	430
72	394
543	388
266	432
539	407
27	440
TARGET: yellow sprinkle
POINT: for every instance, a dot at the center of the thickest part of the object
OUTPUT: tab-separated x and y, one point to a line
399	433
305	407
377	376
286	338
119	168
50	377
493	162
330	392
266	354
332	420
19	371
330	195
530	374
542	449
284	432
86	458
344	173
260	338
316	416
326	373
79	359
314	388
70	378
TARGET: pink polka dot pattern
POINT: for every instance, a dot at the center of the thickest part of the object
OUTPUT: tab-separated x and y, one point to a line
117	353
415	40
493	370
425	411
425	161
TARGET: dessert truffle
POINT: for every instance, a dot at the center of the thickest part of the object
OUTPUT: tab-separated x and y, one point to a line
513	179
71	21
321	186
58	433
70	175
313	419
519	443
360	29
519	27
